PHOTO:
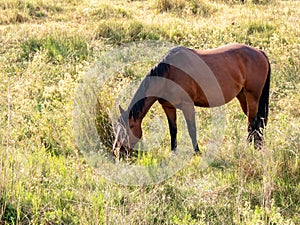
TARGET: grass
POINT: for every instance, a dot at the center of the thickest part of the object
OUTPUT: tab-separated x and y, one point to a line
47	46
57	49
182	8
25	11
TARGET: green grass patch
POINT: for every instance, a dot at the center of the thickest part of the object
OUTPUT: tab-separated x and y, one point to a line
27	10
255	2
260	27
181	7
107	11
119	31
58	49
9	214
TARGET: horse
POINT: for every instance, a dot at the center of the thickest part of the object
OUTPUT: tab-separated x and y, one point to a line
186	77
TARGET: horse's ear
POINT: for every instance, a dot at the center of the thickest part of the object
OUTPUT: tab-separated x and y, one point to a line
121	109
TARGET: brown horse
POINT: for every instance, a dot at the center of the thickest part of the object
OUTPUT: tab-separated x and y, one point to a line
185	78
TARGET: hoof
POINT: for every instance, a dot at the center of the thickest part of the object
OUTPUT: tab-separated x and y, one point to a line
197	152
174	152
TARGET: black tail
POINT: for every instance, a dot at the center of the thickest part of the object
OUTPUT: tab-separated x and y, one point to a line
261	120
263	107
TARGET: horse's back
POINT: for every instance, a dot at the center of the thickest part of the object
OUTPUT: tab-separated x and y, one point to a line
237	67
228	68
237	61
234	52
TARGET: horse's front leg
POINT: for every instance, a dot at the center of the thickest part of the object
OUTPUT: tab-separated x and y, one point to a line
171	115
189	115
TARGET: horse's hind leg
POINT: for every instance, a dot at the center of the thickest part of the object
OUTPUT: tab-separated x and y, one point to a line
249	102
243	101
254	131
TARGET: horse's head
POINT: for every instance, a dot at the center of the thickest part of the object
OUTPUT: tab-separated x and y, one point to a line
128	132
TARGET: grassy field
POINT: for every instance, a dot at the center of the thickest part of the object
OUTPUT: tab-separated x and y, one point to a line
47	46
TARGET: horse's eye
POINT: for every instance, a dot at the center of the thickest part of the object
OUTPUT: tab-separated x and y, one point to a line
131	126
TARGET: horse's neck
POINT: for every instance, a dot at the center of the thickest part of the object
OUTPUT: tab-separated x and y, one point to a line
149	101
142	102
141	109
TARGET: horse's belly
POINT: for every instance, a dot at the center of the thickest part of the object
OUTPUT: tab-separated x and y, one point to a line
217	98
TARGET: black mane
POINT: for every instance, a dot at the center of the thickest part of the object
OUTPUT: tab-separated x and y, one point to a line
138	100
159	70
